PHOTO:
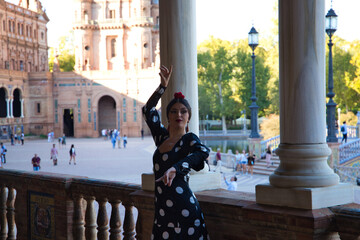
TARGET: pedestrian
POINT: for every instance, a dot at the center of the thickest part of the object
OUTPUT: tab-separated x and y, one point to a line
103	133
54	155
218	160
344	132
251	163
243	161
12	139
142	134
35	161
16	138
268	157
232	185
177	212
63	142
72	154
22	137
113	139
60	141
3	151
118	139
125	140
49	136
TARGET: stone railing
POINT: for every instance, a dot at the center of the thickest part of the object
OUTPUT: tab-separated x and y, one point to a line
53	206
228	159
352	132
272	142
64	207
349	151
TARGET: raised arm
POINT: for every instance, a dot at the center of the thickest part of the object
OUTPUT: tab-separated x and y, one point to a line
150	113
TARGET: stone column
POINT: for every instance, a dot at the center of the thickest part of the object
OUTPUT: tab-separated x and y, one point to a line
178	48
11	107
22	108
7	108
304	178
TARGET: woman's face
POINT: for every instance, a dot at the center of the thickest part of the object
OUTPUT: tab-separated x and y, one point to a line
178	116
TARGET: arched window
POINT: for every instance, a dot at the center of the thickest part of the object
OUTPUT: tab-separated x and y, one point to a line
17	103
3	105
86	17
113	47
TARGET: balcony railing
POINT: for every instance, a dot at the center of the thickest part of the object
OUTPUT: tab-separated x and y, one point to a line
349	151
63	207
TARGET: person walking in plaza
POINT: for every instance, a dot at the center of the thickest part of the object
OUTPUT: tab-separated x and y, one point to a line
218	160
22	137
243	161
3	151
60	141
118	139
72	154
63	142
142	134
12	139
268	157
232	185
344	132
125	140
113	139
54	155
251	163
35	161
177	212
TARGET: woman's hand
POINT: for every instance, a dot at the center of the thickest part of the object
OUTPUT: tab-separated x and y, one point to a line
168	176
165	75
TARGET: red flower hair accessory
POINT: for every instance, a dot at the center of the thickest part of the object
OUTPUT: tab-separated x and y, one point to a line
179	95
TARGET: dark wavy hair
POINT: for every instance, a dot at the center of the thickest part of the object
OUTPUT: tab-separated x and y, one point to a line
178	98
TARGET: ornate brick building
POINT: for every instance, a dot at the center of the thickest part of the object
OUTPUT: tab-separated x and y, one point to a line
117	59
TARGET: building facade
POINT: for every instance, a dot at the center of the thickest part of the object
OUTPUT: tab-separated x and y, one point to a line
116	66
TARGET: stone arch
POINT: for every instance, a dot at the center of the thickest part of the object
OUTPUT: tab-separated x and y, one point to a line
107	113
3	103
17	102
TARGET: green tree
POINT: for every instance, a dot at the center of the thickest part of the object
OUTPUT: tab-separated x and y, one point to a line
65	53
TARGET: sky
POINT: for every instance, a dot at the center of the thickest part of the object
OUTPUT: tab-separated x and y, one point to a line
225	19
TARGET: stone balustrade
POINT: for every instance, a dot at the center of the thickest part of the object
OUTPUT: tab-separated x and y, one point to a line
55	206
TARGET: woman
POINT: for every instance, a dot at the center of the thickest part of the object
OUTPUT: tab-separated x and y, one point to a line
243	161
54	154
72	154
251	163
237	161
268	157
177	211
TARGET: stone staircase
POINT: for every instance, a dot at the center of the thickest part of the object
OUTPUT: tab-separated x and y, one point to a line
260	166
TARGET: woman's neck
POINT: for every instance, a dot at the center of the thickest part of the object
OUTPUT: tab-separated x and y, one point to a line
176	133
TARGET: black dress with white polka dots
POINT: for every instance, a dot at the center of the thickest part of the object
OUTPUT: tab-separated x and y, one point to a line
177	211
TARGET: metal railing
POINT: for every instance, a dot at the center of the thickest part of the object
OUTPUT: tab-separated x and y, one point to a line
349	151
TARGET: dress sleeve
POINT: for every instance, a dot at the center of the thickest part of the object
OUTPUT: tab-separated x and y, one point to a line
152	117
196	157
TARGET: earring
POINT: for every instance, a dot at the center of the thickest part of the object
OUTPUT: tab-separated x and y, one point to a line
187	127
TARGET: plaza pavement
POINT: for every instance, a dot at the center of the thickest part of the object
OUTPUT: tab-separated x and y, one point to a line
95	158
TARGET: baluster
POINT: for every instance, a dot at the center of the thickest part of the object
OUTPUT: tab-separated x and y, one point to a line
78	225
11	213
90	219
129	222
102	220
3	221
115	221
139	234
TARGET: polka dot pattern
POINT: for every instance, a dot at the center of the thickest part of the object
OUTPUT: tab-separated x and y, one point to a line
192	143
197	223
165	157
159	190
185	212
179	190
157	167
192	200
181	143
165	235
191	231
178	230
169	203
162	212
177	149
171	225
155	119
185	165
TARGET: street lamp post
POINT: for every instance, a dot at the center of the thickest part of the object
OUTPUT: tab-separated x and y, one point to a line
330	28
253	43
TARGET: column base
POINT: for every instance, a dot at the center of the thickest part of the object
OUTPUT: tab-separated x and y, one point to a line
198	181
305	198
